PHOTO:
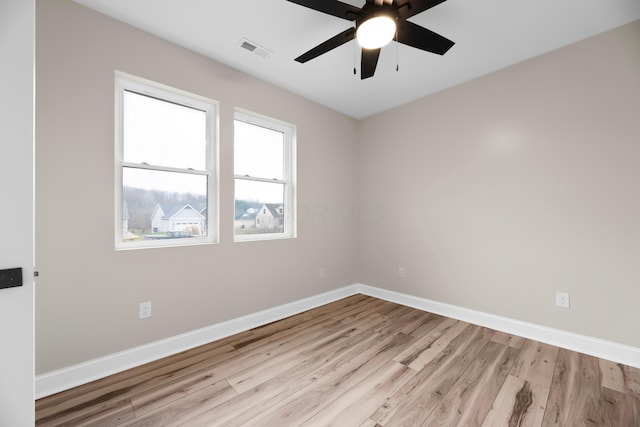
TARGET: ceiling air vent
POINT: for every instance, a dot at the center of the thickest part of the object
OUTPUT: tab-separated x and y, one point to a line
254	48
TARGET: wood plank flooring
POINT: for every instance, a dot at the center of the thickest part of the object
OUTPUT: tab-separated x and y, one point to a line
360	361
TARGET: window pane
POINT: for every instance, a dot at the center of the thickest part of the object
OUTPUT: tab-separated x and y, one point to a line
259	151
162	133
259	207
163	205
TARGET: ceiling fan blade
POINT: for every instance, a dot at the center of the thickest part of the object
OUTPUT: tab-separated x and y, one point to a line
368	62
414	7
331	7
332	43
421	38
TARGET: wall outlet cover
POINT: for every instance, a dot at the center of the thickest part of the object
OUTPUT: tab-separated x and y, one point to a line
562	299
145	310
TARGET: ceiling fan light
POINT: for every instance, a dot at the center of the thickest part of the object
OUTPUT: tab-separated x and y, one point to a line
376	32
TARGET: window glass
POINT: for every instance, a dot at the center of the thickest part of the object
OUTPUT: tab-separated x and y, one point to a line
164	166
259	207
259	151
163	133
264	178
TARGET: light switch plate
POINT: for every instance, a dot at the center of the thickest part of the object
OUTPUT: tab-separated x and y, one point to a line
10	278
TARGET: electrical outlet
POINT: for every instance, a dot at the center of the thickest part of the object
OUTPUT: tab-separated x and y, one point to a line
145	310
562	299
401	272
321	273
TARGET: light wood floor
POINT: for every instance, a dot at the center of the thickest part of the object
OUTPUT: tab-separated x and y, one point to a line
360	361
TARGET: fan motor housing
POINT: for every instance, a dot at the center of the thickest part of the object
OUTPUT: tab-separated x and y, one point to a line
372	10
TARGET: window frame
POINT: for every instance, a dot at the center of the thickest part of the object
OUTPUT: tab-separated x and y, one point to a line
127	82
289	132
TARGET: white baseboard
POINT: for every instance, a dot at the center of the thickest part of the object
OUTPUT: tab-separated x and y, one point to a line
82	373
615	352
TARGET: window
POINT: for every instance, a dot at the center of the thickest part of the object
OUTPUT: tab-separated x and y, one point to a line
165	165
264	161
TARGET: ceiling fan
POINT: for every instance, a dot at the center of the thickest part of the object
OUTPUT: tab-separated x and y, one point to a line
376	24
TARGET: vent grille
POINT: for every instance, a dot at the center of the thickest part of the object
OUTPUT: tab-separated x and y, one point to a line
254	48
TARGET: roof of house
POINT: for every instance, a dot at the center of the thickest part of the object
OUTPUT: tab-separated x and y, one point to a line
248	214
273	209
170	210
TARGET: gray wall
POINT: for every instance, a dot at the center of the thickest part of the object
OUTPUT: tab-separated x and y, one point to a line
88	294
492	195
501	191
17	33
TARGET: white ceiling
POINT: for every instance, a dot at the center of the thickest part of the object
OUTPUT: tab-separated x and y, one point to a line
489	35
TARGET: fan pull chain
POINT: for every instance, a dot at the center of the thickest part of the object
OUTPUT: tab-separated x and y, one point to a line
355	53
397	49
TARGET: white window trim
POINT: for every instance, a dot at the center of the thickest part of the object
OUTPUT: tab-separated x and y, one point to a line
210	107
289	178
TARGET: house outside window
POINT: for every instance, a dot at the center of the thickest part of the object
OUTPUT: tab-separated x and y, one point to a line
264	168
166	144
